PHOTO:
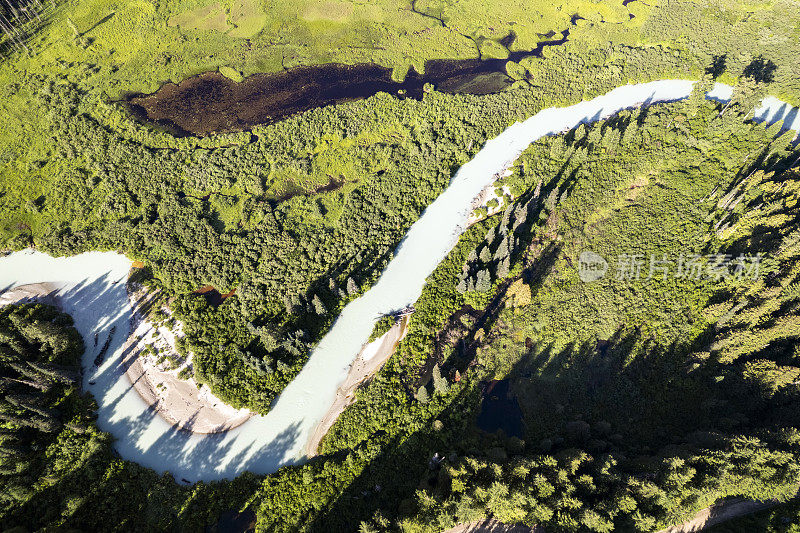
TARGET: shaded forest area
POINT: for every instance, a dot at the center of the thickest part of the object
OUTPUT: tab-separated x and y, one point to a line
56	467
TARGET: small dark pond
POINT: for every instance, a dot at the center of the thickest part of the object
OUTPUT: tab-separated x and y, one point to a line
499	410
210	102
233	522
212	295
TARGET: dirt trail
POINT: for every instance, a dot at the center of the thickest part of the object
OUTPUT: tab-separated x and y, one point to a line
720	512
491	525
366	364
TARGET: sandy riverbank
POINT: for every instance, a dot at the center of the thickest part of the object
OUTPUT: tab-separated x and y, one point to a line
488	194
366	364
34	292
179	401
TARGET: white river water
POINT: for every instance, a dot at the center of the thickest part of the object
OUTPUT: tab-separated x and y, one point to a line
92	289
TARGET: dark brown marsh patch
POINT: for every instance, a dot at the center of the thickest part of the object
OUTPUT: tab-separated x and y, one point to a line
211	103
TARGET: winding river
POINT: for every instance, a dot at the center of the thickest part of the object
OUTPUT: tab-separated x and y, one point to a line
91	287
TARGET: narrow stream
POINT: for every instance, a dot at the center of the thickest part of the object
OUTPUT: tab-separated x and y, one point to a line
91	288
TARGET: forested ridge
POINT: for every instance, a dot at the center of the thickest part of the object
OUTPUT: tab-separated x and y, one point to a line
56	467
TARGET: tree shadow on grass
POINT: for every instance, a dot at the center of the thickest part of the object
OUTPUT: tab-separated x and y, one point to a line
761	70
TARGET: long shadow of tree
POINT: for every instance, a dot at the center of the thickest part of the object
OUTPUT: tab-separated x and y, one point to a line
760	69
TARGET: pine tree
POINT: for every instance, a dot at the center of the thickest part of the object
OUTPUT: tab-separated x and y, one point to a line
462	286
439	383
490	236
502	249
611	139
580	132
484	281
506	220
631	132
520	215
287	304
503	267
422	394
747	94
557	147
366	527
319	307
352	288
595	134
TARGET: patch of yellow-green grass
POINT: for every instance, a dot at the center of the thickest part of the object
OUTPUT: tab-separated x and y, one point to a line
210	17
228	210
248	17
130	44
32	200
623	196
335	10
231	73
136	45
284	182
531	22
493	50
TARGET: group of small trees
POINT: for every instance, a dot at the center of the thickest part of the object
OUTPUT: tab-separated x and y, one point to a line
492	258
440	385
